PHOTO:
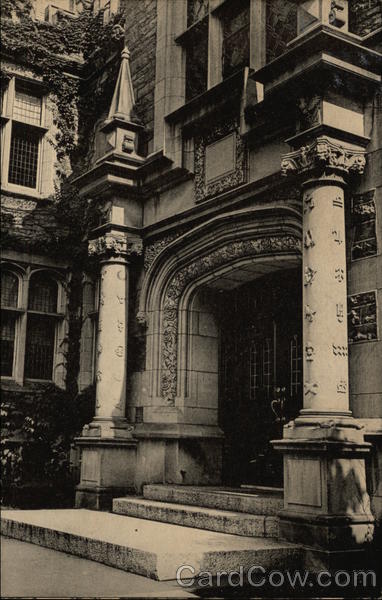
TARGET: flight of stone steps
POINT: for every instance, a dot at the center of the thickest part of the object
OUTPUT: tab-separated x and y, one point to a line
167	528
237	512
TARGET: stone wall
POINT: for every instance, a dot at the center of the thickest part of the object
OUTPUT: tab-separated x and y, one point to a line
27	224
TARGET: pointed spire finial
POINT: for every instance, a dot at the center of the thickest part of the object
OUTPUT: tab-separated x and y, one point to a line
123	101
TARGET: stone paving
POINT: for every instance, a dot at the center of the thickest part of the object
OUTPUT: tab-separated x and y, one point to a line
28	570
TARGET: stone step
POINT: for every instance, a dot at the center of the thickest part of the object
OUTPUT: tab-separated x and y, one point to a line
147	548
237	523
231	499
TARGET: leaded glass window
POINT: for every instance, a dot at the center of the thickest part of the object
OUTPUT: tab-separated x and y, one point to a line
39	349
281	26
43	294
196	10
8	322
9	289
235	51
197	60
23	159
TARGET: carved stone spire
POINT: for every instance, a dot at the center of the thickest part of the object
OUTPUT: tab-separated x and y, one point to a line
122	104
122	126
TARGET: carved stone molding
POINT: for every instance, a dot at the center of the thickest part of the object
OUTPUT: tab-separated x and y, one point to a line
193	271
324	154
152	250
237	176
18	203
116	244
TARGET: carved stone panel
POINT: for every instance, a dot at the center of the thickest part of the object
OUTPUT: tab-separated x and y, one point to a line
364	239
362	317
220	160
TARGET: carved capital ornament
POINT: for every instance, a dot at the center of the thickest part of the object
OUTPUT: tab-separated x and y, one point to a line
324	154
115	244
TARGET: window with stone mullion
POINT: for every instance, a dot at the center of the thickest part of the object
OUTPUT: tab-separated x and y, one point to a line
196	11
236	37
196	46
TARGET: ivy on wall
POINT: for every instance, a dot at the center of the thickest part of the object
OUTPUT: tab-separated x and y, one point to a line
38	428
86	46
74	58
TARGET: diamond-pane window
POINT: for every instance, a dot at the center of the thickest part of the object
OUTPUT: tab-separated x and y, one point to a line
23	160
9	289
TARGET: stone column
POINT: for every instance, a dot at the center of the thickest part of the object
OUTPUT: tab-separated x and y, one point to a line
111	364
107	443
324	299
326	505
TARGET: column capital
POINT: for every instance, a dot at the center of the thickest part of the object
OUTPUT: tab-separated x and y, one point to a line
324	154
116	244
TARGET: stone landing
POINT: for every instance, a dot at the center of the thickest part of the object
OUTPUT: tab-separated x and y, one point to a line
144	547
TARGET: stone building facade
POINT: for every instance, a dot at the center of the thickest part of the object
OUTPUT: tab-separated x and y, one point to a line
234	328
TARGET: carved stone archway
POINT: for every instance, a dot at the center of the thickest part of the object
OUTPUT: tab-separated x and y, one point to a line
229	253
183	265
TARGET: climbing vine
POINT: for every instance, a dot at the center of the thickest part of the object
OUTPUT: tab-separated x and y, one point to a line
74	59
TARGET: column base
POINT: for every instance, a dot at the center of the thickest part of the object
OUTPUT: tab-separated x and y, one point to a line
108	427
108	466
99	498
326	504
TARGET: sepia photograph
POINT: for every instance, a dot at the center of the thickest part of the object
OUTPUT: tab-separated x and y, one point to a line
191	299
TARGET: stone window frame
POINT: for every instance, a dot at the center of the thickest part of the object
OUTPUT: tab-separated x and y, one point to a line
170	74
21	312
36	89
257	33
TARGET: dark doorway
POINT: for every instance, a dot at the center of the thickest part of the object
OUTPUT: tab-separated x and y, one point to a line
260	374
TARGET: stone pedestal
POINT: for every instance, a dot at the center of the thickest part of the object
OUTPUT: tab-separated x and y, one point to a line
108	446
326	505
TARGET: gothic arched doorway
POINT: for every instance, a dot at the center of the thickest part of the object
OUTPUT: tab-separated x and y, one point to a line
260	374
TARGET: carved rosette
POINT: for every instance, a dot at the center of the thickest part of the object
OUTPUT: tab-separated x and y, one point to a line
324	154
116	244
193	271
